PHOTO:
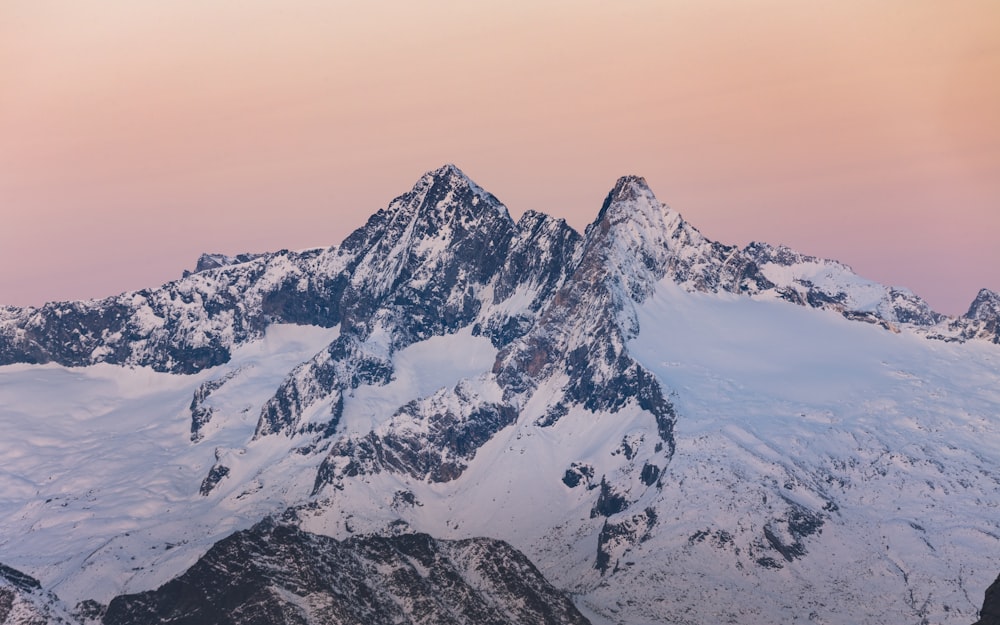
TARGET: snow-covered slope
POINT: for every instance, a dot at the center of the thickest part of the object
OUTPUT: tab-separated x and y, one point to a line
824	468
670	428
825	471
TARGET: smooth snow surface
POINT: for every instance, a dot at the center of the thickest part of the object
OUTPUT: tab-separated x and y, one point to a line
419	370
99	479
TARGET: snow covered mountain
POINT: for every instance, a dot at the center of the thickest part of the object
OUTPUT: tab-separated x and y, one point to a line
671	429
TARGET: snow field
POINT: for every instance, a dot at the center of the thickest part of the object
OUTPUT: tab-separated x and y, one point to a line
890	438
100	479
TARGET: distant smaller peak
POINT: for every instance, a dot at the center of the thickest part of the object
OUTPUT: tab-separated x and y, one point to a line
986	306
207	262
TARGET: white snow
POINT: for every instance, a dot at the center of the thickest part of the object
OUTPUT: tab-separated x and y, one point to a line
796	405
98	473
830	277
419	370
892	439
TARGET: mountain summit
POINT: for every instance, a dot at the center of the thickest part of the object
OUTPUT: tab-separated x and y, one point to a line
464	417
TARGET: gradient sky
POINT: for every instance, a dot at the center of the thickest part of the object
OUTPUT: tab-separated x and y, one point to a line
136	134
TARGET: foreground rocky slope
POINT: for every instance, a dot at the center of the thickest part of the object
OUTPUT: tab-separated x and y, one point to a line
274	573
23	601
670	428
990	614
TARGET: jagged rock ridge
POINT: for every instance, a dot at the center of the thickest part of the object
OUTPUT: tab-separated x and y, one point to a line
437	249
275	573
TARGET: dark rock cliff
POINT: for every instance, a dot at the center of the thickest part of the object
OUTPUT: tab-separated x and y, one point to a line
274	574
990	614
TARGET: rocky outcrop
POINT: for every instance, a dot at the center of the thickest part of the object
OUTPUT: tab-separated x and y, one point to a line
990	614
982	321
274	573
431	439
207	262
201	413
24	602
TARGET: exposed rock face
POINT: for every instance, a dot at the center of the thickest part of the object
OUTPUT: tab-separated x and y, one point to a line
200	413
24	602
182	327
986	307
430	439
440	258
277	574
208	262
19	580
990	614
582	333
983	318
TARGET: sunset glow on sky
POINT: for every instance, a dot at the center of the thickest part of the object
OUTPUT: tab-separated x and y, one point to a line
136	134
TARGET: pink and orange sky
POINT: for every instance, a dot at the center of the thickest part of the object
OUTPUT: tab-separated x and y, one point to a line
136	134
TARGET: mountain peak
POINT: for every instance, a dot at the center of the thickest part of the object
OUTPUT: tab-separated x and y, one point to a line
629	187
986	306
631	204
449	187
632	236
448	171
451	177
628	194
